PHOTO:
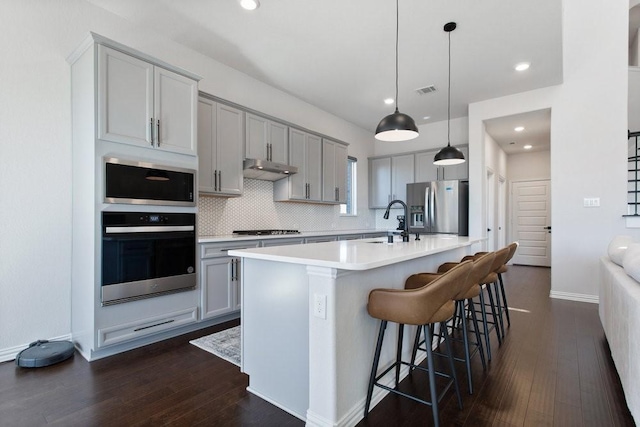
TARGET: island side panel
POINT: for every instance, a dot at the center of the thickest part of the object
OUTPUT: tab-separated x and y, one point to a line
275	333
341	347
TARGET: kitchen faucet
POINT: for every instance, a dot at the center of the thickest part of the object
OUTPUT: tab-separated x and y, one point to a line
405	232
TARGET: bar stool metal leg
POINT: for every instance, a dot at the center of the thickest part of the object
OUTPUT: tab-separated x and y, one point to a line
432	377
451	364
476	330
485	324
504	299
374	368
499	307
496	322
399	352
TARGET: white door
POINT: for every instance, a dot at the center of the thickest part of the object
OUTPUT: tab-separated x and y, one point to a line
531	222
229	149
176	103
491	207
502	211
125	98
379	182
313	166
402	174
297	182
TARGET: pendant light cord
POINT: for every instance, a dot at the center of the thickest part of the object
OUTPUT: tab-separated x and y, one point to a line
449	97
397	35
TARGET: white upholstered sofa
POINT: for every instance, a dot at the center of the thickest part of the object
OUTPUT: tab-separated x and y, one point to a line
619	309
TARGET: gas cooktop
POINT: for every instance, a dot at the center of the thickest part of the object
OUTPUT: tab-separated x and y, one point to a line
264	232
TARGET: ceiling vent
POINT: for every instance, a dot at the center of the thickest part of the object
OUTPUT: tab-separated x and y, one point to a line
425	90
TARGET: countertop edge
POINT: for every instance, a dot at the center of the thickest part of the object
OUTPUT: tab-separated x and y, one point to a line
271	254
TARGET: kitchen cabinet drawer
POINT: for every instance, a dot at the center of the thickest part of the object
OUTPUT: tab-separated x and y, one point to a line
320	239
211	250
350	237
133	330
282	242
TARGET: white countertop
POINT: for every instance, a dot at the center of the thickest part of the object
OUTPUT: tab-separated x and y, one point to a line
364	254
304	234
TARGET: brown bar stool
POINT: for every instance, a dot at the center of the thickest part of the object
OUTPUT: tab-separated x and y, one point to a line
470	290
432	303
502	307
485	284
513	247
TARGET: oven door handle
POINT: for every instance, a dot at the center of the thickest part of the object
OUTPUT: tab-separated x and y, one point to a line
151	229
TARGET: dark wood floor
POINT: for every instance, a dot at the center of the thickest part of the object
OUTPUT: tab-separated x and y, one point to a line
554	369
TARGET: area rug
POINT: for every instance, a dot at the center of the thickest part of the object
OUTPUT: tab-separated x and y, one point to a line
224	344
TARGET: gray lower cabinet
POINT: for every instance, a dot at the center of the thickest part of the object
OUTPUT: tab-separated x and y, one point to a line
220	278
220	283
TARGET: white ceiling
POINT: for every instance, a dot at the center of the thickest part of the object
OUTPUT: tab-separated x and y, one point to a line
339	55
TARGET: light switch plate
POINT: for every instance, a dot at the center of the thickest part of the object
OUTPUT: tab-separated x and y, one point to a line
592	202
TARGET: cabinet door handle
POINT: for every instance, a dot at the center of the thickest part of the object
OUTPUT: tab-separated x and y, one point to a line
151	130
219	181
337	194
158	135
215	180
270	152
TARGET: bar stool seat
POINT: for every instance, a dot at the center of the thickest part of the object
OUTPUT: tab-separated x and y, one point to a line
423	306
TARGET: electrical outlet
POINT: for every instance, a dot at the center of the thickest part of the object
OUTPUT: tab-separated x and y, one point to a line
320	306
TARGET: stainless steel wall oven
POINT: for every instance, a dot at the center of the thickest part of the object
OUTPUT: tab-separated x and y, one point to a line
147	254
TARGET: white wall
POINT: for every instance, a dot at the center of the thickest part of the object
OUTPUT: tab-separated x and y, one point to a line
588	141
534	165
35	148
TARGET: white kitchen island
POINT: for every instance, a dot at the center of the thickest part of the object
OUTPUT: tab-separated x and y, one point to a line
307	339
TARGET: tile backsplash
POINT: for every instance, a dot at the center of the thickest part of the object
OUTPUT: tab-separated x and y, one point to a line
257	210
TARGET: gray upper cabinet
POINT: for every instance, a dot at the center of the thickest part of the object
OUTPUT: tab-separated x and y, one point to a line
266	139
142	104
427	171
388	179
334	172
220	137
305	152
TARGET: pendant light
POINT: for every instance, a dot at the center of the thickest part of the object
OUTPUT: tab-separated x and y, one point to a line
449	155
396	126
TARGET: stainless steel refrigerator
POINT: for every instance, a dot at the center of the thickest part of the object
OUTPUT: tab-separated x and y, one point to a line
438	207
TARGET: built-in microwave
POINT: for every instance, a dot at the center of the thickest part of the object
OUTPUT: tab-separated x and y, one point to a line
142	183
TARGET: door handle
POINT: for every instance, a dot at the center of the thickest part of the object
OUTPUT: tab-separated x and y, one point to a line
548	227
488	229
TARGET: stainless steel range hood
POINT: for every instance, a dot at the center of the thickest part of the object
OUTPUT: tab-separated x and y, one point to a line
266	170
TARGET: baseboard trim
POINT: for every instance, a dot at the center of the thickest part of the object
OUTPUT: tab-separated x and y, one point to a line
10	353
593	299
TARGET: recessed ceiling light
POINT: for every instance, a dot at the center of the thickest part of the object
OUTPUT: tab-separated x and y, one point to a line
519	128
426	117
522	66
388	101
528	147
250	4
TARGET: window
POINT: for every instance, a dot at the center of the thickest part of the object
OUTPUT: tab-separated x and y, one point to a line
350	207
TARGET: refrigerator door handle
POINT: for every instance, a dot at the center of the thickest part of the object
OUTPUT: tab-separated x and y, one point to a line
432	203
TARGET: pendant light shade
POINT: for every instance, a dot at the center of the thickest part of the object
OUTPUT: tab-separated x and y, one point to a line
397	126
449	155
